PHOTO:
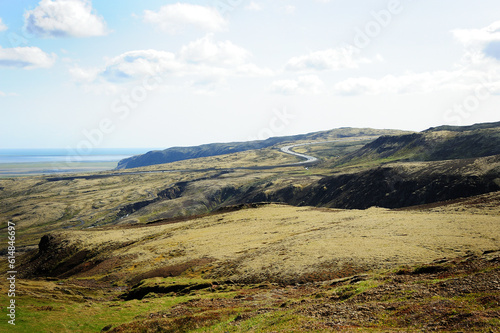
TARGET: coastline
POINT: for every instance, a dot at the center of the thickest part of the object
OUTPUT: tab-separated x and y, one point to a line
8	170
36	162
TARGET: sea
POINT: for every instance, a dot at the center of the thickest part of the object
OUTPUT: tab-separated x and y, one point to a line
19	162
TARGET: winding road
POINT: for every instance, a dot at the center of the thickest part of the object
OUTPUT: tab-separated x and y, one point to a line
286	150
308	160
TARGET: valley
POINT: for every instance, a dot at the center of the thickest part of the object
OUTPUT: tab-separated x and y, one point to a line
348	229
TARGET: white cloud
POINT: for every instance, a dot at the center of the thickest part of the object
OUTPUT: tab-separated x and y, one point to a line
202	61
415	83
252	70
206	51
304	85
208	57
331	59
478	69
207	85
64	18
84	75
253	6
177	17
25	58
137	64
485	41
3	27
475	37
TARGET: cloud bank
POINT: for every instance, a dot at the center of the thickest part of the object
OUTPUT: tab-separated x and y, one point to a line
332	59
25	58
178	17
64	18
202	58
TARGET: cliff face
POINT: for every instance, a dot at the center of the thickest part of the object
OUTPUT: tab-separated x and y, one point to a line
397	187
390	186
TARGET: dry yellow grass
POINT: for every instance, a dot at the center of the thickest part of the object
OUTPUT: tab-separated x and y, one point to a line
38	206
284	241
252	158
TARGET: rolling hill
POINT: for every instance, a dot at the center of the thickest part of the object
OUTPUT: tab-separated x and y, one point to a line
436	144
464	128
175	154
387	233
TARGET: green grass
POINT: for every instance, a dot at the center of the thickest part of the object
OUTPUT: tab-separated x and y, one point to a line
277	321
90	316
51	311
348	291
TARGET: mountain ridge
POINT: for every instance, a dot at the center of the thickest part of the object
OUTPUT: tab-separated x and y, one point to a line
431	145
175	154
464	128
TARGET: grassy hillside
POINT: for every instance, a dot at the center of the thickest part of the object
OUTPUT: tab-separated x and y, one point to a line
42	204
39	205
464	128
210	244
309	244
434	145
184	153
280	268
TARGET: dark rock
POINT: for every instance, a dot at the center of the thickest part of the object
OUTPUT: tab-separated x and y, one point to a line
107	328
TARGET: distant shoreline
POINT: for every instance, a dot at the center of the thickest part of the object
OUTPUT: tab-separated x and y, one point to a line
39	168
36	162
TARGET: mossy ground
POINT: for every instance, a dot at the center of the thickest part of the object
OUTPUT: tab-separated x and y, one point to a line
273	268
463	296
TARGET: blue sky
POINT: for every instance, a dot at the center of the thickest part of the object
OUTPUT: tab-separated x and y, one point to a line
87	74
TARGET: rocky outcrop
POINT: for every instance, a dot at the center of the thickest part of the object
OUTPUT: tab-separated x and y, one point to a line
55	256
389	186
